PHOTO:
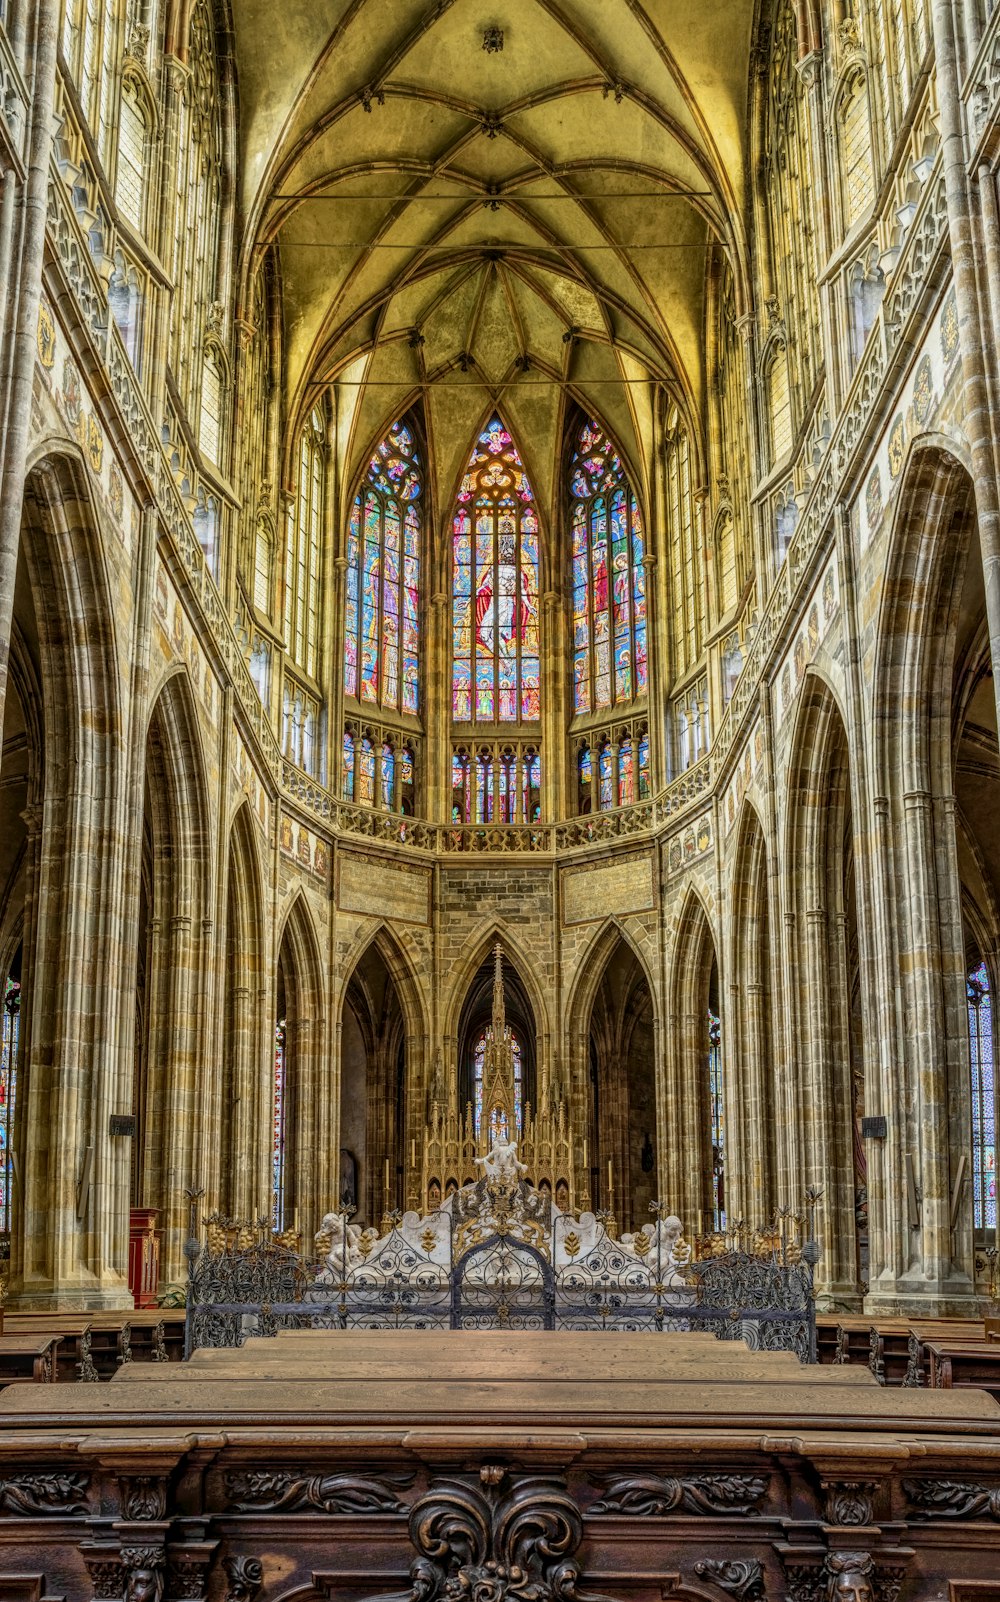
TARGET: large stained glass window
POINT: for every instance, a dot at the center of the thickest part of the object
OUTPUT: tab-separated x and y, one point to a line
984	1137
303	552
381	632
478	1063
495	587
278	1129
718	1116
8	1092
609	581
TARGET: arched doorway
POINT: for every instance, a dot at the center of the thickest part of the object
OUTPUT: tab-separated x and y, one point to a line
474	1021
622	1121
373	1074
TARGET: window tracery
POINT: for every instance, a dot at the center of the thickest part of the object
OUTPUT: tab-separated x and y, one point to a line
609	582
495	567
613	768
197	204
496	782
478	1065
378	768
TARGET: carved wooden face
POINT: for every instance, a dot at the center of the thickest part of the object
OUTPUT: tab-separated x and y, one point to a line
851	1586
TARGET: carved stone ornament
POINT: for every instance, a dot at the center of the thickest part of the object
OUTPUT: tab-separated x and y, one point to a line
743	1578
850	1502
107	1573
245	1576
654	1495
143	1496
31	1494
954	1499
495	1544
263	1491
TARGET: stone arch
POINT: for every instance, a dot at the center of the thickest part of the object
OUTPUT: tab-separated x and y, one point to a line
173	1001
382	1033
300	1004
238	1119
748	1021
74	1175
931	583
823	1095
614	1035
478	947
687	1140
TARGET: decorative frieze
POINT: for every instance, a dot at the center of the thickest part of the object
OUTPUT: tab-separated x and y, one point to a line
654	1495
269	1491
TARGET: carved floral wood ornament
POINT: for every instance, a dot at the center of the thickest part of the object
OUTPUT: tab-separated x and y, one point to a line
489	1543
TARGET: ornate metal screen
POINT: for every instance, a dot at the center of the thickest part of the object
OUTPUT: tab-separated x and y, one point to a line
501	1257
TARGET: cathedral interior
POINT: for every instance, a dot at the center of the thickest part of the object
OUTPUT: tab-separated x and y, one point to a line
499	610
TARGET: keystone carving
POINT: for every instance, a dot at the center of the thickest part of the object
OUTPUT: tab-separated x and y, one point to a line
494	1544
743	1578
261	1491
143	1496
654	1495
850	1502
31	1494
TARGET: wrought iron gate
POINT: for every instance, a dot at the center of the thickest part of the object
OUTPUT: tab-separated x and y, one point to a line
503	1283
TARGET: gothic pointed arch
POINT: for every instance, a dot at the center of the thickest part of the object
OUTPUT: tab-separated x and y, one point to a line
748	1013
239	1118
697	1094
171	999
827	1085
298	1187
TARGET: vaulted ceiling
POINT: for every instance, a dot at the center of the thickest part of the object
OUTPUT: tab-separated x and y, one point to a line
523	223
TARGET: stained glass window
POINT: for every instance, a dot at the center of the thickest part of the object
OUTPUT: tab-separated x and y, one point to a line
478	1062
495	677
278	1129
609	581
303	552
381	632
984	1138
347	769
8	1093
585	771
644	784
364	782
388	771
718	1117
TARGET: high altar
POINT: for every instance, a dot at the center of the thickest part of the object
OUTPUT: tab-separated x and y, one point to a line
456	1140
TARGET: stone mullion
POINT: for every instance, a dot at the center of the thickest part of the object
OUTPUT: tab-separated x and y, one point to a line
556	713
691	1164
757	1180
839	1107
337	604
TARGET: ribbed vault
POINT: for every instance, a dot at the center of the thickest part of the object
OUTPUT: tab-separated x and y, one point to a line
466	223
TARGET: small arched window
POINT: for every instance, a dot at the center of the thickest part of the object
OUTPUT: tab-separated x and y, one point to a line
609	581
779	402
381	629
303	552
856	150
212	387
130	174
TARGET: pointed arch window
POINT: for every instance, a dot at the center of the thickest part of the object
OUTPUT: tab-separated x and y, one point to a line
495	556
478	1064
609	581
718	1119
278	1220
303	550
979	995
382	626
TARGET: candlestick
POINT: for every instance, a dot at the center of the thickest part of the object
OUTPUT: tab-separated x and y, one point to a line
413	1154
387	1183
586	1162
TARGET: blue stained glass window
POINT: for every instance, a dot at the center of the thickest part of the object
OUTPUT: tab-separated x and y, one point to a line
382	623
278	1130
718	1115
984	1127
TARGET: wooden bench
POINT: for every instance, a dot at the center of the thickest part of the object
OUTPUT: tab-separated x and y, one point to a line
97	1344
956	1365
29	1359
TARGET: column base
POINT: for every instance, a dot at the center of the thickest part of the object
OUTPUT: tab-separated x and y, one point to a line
844	1297
49	1298
913	1296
